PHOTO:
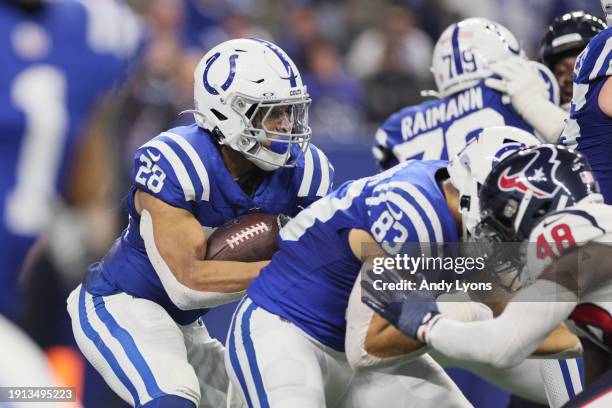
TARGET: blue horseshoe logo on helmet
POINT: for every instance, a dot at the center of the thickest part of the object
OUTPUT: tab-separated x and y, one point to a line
230	77
291	76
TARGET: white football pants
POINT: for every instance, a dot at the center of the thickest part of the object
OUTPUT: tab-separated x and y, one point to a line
143	354
275	364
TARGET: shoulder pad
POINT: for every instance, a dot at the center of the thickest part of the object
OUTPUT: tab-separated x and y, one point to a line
586	222
316	176
170	168
563	230
594	61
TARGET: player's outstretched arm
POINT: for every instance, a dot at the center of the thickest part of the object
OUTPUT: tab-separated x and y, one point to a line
513	336
371	340
176	244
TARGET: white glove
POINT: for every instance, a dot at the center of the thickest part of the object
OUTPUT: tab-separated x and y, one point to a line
519	81
528	92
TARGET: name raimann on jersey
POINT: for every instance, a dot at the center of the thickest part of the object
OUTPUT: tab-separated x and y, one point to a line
468	100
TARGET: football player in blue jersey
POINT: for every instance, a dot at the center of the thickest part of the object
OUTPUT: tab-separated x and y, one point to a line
294	337
483	80
466	57
565	38
59	62
590	123
563	274
136	315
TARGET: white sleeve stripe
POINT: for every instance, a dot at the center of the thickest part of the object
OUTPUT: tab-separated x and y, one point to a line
424	203
407	208
195	160
412	214
322	210
381	137
324	163
307	177
574	372
601	59
177	166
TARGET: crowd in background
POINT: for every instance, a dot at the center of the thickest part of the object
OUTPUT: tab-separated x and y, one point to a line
361	59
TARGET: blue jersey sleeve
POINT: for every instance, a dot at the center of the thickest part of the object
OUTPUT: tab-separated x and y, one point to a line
169	168
314	176
594	62
387	136
399	214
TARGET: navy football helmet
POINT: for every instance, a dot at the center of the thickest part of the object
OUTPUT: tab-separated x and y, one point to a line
568	35
529	184
517	194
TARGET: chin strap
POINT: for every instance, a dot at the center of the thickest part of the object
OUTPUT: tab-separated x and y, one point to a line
266	159
199	117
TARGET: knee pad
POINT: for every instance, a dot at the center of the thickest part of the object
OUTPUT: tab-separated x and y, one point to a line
169	401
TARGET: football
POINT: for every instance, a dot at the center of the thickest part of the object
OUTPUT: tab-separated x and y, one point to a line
249	238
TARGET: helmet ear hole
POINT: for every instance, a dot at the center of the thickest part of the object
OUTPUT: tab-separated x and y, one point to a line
249	113
544	209
218	114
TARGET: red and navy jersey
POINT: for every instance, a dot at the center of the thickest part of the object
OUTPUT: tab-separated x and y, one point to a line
310	279
589	129
56	65
183	167
558	233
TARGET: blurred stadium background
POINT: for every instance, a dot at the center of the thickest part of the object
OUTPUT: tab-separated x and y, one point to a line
361	60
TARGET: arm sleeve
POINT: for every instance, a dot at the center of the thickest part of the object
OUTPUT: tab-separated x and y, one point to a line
159	171
510	338
317	177
547	119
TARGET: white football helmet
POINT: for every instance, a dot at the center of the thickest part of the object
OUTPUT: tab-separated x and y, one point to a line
606	5
249	94
465	50
469	168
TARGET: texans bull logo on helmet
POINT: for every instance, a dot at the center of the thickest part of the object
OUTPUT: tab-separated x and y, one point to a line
537	176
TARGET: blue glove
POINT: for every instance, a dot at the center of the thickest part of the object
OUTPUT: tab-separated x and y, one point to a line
407	310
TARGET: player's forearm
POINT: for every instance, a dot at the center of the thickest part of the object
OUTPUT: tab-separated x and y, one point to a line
547	119
560	344
384	340
221	276
510	338
478	342
179	274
